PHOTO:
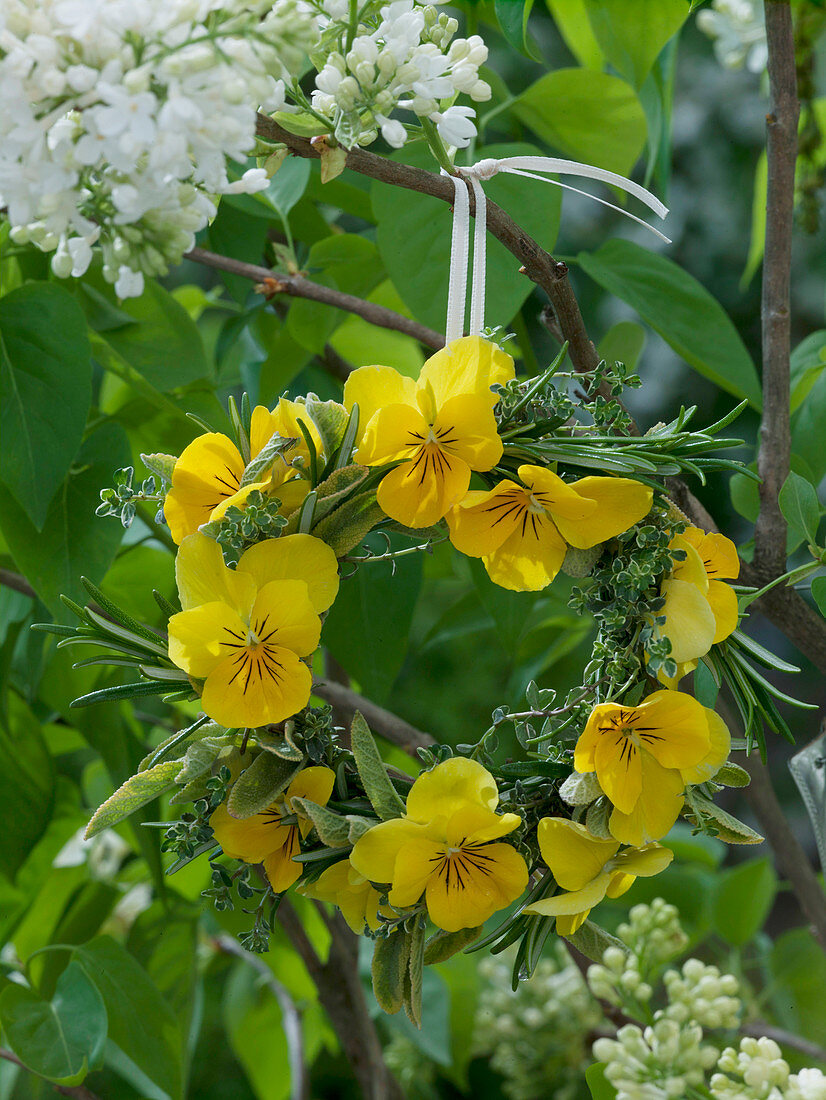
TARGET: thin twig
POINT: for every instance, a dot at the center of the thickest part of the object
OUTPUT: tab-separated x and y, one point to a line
296	286
79	1092
781	153
290	1017
381	721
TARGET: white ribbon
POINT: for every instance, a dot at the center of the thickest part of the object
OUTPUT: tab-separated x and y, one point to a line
460	239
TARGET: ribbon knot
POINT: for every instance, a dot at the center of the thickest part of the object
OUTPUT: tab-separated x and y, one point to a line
471	177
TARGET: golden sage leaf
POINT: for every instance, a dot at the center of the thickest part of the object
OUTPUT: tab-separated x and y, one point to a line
333	829
344	528
413	976
592	941
443	945
160	465
358	826
382	794
260	784
732	775
134	793
729	828
391	958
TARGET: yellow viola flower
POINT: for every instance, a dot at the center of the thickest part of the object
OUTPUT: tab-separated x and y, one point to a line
645	756
244	630
446	848
522	531
355	896
590	869
263	838
207	477
439	428
700	609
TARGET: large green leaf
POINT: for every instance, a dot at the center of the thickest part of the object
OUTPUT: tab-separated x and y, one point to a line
163	344
590	116
632	43
798	967
59	1039
28	784
73	541
414	237
571	18
681	310
367	628
141	1023
45	391
734	919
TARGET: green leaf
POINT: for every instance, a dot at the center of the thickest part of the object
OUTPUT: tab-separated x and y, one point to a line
819	594
591	116
28	784
799	504
571	18
592	941
413	981
808	362
45	392
509	610
443	945
72	540
757	241
732	775
135	792
259	784
368	627
743	899
381	792
346	526
682	311
729	828
414	230
164	344
600	1087
59	1039
391	957
632	45
333	829
513	21
141	1023
798	977
624	343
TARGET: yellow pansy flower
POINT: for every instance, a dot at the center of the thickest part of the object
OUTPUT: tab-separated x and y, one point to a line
590	869
700	608
355	896
445	847
522	531
244	630
263	838
440	427
207	477
644	756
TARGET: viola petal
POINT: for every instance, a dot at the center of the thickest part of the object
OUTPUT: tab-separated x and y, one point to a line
573	855
294	558
257	686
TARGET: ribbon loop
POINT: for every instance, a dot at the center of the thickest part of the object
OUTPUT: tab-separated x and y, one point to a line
460	240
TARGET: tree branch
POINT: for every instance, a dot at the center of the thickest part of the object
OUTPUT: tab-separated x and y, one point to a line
538	264
273	282
79	1092
342	997
791	859
785	1039
381	721
781	153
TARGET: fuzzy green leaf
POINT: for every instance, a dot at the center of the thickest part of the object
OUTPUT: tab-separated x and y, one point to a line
414	976
391	958
381	792
732	775
729	829
441	946
260	784
135	792
592	941
345	527
333	829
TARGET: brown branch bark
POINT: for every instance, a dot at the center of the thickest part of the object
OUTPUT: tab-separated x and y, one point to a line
79	1092
781	153
342	997
539	265
346	702
791	859
296	286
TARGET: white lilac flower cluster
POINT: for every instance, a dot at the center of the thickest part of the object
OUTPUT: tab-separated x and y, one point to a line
401	55
701	993
664	1060
119	117
536	1037
758	1071
738	28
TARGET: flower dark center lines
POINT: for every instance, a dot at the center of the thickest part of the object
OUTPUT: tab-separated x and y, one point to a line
457	866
